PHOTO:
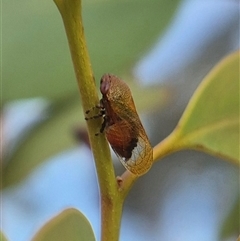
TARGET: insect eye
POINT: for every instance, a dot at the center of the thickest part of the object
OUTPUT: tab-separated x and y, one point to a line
104	84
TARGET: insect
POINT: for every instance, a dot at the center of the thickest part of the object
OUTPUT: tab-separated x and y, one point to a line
122	126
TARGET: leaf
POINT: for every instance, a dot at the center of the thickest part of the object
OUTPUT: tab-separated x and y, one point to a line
70	224
2	237
42	65
231	225
210	122
45	141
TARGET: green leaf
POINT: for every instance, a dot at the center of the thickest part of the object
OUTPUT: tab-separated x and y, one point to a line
2	237
45	141
40	56
211	120
231	225
68	225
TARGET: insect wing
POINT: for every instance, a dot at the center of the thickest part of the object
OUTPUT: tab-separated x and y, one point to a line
123	129
142	155
141	159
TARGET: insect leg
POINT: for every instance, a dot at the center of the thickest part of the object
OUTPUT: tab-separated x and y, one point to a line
103	126
93	108
101	112
95	116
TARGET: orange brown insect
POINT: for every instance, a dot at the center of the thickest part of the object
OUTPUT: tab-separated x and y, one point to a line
122	126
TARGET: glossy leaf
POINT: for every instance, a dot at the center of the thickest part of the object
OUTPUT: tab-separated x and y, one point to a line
231	225
68	225
41	59
211	120
2	237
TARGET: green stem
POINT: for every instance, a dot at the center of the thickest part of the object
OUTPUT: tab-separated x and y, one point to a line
166	146
111	201
111	218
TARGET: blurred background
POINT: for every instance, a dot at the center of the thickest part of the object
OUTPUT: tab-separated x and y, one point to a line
163	49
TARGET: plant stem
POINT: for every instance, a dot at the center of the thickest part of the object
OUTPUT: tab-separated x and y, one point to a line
111	201
111	218
166	146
